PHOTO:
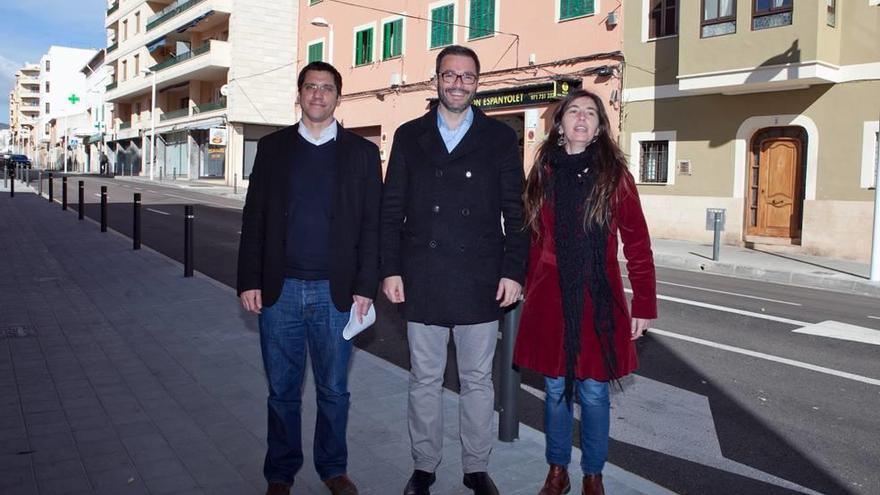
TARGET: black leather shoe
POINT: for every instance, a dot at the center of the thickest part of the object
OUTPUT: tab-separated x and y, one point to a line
419	483
480	483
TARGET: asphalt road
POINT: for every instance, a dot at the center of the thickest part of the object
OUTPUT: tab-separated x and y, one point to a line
728	398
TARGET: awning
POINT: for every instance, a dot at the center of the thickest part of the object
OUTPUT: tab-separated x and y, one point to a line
198	125
94	138
156	44
195	21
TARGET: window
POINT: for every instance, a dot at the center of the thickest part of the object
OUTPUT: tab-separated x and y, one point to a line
47	111
313	2
663	19
482	22
47	66
442	20
47	86
316	52
392	39
138	109
870	150
363	47
654	161
250	156
124	30
137	64
831	13
124	70
569	9
719	18
771	13
137	22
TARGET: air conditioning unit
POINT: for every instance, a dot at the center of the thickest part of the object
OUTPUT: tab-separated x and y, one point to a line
396	80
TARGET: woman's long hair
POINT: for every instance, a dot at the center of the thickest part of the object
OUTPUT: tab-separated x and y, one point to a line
612	163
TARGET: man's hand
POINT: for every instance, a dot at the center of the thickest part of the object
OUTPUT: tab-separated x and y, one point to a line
363	306
252	300
509	292
392	287
638	327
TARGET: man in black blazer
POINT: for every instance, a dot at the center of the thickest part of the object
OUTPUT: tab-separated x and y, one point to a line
453	174
308	255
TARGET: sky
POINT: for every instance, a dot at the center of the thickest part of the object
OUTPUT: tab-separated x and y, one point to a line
30	27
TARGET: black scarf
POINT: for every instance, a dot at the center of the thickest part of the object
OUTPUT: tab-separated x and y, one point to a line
580	255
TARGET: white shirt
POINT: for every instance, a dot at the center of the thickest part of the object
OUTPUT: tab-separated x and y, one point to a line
327	134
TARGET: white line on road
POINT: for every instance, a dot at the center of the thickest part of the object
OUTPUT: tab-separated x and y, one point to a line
159	212
204	202
139	188
874	317
730	293
768	357
730	310
842	331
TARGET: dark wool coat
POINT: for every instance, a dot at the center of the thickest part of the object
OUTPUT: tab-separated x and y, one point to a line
540	339
441	220
354	219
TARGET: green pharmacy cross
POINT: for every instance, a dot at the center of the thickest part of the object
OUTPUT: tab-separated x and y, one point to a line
73	99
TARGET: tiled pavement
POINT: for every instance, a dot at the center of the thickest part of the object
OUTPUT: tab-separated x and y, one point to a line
119	376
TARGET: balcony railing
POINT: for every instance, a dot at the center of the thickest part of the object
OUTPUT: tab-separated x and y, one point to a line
113	8
112	47
112	86
181	58
170	11
209	107
175	114
125	125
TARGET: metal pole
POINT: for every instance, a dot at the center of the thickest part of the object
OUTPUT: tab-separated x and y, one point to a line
12	185
5	176
235	183
82	200
136	234
716	245
508	419
188	217
40	179
875	241
175	171
64	193
153	131
103	208
51	188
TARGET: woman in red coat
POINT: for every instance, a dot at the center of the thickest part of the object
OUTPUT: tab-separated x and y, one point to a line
576	329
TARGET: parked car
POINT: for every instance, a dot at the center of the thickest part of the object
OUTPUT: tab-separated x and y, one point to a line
12	161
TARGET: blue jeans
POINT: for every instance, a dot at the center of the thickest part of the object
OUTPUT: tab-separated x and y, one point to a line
595	423
303	316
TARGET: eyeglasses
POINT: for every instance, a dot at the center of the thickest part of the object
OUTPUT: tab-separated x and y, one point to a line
449	77
324	88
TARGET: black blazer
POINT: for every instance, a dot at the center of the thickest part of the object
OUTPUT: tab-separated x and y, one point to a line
354	218
442	220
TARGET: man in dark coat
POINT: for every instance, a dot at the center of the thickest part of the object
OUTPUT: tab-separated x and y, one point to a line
453	174
310	253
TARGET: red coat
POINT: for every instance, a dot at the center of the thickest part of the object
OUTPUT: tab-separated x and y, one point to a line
539	342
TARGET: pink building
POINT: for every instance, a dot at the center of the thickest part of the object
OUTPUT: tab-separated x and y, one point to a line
531	54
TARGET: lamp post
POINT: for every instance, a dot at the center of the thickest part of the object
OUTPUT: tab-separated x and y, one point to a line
152	124
324	23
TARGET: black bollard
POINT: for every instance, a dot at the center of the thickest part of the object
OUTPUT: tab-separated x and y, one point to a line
12	185
508	419
64	193
234	183
188	218
40	180
716	244
81	213
51	188
136	222
103	208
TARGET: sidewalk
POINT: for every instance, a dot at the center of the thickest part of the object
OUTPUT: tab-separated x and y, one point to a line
119	376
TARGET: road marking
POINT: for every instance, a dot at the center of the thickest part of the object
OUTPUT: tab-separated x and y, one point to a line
730	293
219	205
842	331
139	189
874	317
768	357
151	191
159	212
730	310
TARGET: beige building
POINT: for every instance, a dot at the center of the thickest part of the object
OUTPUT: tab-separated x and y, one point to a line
224	74
767	109
386	51
24	109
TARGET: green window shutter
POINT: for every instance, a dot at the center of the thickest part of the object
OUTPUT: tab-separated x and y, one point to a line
387	39
576	8
482	19
397	47
392	39
369	54
363	50
316	52
441	25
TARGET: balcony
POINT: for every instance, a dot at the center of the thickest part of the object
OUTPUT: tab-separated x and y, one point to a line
113	8
29	80
125	125
181	58
210	107
174	114
170	12
112	86
112	47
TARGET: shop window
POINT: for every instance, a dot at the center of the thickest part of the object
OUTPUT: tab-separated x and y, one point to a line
831	13
569	9
316	52
718	18
363	47
663	19
392	39
654	161
442	20
482	19
870	157
250	155
771	13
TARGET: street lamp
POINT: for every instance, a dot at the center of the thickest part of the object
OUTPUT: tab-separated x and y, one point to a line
324	23
152	124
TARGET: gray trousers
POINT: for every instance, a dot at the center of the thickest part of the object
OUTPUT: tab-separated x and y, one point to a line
474	349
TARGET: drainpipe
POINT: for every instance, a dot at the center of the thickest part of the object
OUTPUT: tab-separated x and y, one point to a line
875	249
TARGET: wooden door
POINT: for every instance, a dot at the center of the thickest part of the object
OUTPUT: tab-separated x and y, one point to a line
778	202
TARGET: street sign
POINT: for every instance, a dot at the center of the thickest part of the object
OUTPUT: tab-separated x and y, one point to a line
74	142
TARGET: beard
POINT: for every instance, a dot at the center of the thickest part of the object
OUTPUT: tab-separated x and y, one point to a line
445	101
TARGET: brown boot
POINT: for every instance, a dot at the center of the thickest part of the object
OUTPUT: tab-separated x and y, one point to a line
557	481
593	485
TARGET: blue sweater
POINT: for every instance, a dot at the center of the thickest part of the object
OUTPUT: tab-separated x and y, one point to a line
310	199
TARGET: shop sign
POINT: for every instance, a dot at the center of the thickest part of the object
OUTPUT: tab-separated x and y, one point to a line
526	95
217	136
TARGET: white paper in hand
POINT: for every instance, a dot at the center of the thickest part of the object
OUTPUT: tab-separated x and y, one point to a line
353	328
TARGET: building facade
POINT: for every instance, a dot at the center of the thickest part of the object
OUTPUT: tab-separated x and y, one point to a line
768	110
386	51
224	76
24	109
97	114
